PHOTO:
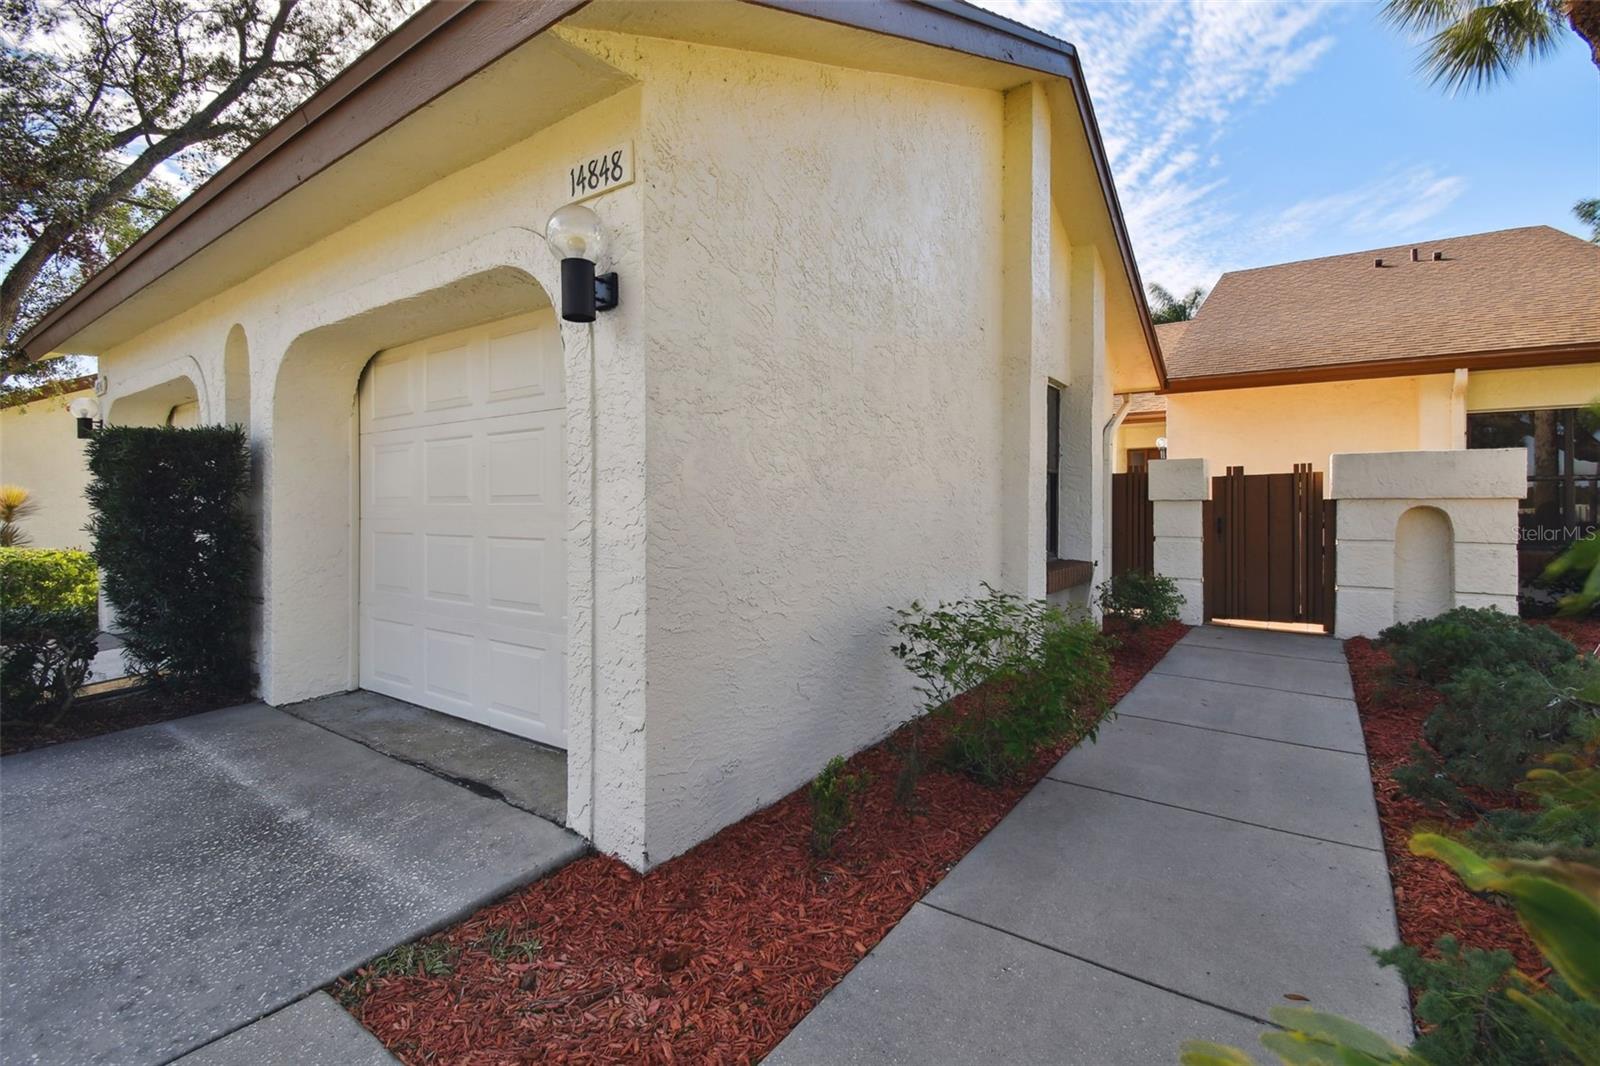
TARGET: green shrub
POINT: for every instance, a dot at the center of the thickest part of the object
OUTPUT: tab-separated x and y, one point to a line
1436	649
1137	598
1463	1006
173	537
1034	675
1491	727
49	579
833	803
44	658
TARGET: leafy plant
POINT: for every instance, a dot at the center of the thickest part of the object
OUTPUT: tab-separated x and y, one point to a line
173	536
1436	649
1558	904
1137	598
1491	727
16	503
44	658
833	800
1567	824
1030	675
49	579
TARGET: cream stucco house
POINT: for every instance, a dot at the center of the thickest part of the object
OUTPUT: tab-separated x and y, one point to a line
41	452
869	256
1484	341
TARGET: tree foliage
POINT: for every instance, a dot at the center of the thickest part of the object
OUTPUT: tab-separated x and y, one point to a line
1472	44
109	109
1170	308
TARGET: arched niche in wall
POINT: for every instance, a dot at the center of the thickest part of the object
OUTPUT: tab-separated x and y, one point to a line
236	379
1424	564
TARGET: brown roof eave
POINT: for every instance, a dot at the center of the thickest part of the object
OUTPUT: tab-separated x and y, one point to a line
1501	359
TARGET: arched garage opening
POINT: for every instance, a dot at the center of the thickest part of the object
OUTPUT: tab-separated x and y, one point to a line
415	520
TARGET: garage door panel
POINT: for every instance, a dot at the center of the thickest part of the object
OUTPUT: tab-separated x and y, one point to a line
463	569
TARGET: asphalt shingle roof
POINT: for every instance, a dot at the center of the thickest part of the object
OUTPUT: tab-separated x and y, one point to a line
1524	288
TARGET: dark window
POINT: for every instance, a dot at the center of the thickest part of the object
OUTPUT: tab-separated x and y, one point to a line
1052	485
1563	500
1140	458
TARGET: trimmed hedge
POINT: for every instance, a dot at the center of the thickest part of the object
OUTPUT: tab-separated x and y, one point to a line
49	579
172	534
44	658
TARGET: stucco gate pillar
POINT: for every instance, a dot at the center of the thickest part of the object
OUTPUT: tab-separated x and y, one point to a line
1421	532
1179	489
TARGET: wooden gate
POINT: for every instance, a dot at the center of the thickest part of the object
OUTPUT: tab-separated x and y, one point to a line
1133	543
1269	547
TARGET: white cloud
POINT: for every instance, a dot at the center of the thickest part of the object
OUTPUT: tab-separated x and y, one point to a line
1168	81
1384	212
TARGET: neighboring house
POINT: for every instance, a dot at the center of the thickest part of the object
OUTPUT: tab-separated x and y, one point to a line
40	450
1484	341
869	257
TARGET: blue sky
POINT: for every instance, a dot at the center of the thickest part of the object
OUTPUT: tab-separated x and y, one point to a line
1246	133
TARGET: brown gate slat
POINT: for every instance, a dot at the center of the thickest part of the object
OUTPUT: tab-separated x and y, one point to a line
1132	523
1269	547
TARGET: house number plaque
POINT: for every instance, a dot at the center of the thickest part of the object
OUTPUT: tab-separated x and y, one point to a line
600	173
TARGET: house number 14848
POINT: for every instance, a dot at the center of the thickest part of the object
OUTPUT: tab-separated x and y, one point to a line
598	173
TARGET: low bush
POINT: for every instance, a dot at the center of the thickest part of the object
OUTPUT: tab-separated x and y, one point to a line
1136	599
173	536
1436	649
44	658
1031	676
833	803
1490	728
48	579
1467	1017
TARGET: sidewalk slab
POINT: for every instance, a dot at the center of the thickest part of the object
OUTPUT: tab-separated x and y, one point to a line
1263	671
1324	794
1232	914
941	989
1266	641
1320	721
316	1031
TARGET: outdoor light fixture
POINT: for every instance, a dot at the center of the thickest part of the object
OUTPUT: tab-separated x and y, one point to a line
574	235
87	412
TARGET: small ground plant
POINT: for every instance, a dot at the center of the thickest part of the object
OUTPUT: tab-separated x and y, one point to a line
1436	649
833	803
1030	675
1136	599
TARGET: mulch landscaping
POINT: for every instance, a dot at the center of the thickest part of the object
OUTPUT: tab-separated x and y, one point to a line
108	713
713	956
1430	901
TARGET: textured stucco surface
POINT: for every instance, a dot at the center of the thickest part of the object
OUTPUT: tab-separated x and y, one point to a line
1398	511
40	450
810	353
1178	491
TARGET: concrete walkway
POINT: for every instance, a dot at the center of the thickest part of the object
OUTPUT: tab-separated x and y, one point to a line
166	886
1216	852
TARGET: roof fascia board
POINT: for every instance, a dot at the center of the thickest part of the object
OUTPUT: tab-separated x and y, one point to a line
1500	359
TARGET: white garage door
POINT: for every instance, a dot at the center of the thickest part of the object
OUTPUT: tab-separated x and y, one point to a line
463	568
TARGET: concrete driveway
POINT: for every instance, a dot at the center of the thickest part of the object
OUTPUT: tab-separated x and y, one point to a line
166	886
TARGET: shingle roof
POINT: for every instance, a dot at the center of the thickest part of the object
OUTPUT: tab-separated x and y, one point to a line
1512	289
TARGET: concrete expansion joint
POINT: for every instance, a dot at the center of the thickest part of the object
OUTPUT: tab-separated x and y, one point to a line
1246	684
1211	814
1103	966
1247	736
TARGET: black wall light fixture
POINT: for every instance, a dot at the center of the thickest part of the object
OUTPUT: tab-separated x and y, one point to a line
575	236
87	414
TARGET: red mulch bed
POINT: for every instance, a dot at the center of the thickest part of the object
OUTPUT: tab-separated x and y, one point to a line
713	956
1430	901
110	713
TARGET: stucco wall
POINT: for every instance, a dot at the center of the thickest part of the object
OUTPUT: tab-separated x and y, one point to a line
824	391
1543	386
1179	489
1420	532
40	450
1135	435
1268	430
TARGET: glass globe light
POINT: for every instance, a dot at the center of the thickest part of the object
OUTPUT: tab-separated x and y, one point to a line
574	232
